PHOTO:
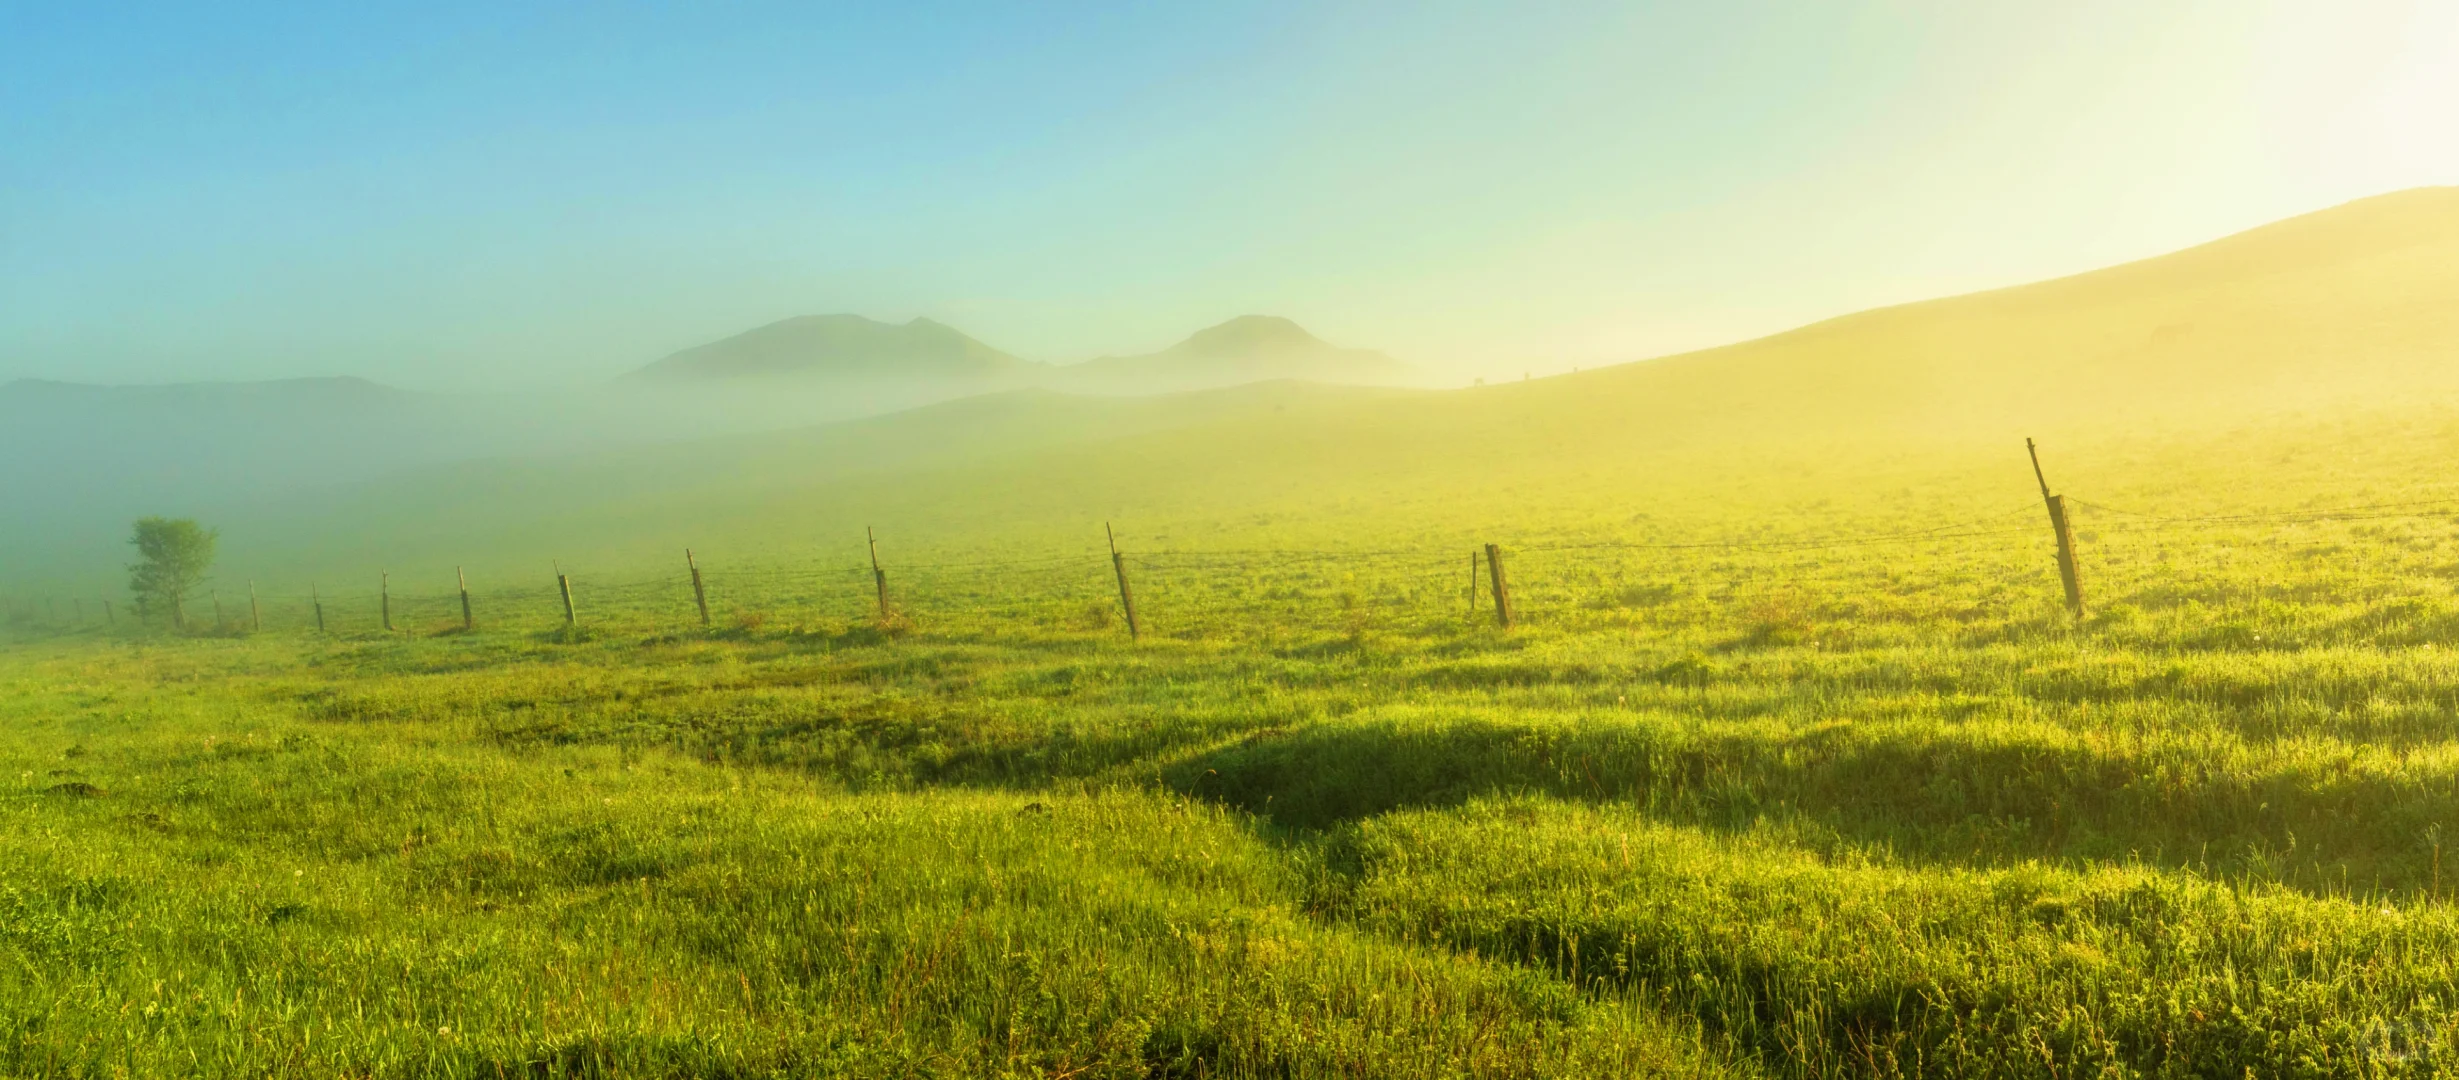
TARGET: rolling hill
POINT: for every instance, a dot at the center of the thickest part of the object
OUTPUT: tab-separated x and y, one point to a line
2346	311
1249	348
2354	305
78	461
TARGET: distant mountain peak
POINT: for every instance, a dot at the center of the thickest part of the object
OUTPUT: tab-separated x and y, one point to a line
1249	348
839	345
1253	332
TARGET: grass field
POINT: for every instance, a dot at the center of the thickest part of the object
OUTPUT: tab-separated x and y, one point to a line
1784	772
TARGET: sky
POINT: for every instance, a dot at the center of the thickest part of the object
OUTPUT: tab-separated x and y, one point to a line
456	196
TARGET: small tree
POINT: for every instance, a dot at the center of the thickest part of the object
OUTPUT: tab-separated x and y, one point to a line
172	557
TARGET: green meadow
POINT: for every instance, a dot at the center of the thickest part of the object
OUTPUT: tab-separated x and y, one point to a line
1791	794
1794	762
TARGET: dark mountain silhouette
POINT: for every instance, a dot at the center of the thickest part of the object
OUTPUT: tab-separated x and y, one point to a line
844	346
818	349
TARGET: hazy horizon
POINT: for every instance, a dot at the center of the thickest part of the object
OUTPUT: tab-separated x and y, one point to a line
1986	602
461	200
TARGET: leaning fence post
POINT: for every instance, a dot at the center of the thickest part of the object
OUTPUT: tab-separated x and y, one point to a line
316	600
107	619
256	615
217	608
1127	596
879	577
2068	573
563	584
1502	586
463	581
384	597
700	596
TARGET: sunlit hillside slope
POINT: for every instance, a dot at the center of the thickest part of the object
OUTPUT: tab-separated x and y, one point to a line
2356	304
2353	308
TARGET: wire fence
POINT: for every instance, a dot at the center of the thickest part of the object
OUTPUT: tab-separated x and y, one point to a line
2237	568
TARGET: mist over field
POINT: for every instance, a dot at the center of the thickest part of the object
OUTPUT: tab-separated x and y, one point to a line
804	431
1248	541
292	445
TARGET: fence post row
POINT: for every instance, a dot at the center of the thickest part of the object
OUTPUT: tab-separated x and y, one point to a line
1497	580
2068	574
1502	586
700	596
1127	596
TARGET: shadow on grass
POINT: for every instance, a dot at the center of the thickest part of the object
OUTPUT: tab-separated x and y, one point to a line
1945	796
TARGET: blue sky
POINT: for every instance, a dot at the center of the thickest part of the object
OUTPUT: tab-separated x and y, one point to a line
468	196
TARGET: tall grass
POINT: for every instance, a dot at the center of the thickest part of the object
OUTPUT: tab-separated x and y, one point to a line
1745	808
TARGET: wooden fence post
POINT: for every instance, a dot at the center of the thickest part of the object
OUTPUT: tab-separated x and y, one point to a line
216	595
316	600
107	619
1127	596
1502	586
179	611
700	595
384	598
879	577
563	584
256	615
2068	573
463	581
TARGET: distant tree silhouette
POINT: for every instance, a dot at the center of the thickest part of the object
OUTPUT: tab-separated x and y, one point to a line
172	557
